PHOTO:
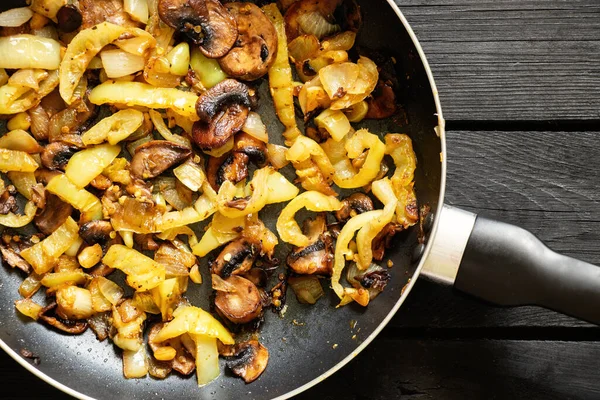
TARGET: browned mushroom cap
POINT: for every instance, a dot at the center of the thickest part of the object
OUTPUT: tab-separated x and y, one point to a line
54	214
383	240
220	96
231	167
72	327
316	258
56	155
356	203
205	22
236	258
100	324
217	132
93	232
252	147
14	260
242	304
8	202
249	361
156	156
256	45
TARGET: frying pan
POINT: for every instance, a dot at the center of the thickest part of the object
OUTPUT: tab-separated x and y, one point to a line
497	262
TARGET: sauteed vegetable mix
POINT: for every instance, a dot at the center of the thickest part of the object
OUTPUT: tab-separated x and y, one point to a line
129	123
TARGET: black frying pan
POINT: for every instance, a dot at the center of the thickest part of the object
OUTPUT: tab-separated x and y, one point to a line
498	262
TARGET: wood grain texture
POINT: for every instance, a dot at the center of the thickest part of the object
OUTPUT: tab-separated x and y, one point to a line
466	369
546	182
413	369
511	60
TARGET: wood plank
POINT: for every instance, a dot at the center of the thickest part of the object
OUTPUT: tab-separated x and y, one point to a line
508	60
407	369
545	182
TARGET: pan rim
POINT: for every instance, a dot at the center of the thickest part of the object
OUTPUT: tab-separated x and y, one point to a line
441	132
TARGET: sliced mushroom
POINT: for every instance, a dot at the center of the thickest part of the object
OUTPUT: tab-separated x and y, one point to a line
156	156
205	22
14	260
38	195
316	258
256	45
233	166
249	360
93	232
100	324
383	240
382	103
54	214
240	305
214	134
95	12
8	202
56	155
72	327
236	258
220	96
67	125
356	203
252	147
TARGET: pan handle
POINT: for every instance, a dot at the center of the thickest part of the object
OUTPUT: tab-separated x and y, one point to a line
509	266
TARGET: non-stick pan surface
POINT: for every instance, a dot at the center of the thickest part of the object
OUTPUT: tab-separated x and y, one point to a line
309	342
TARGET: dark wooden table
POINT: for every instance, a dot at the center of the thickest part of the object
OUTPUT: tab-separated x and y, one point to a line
520	88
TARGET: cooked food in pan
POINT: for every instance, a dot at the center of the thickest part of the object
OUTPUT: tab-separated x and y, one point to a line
139	144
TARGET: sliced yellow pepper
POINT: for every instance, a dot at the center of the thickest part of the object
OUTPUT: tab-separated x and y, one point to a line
399	147
114	128
355	146
280	77
81	199
141	94
196	321
84	46
287	227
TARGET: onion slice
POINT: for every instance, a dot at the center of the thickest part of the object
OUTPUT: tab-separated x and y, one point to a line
15	17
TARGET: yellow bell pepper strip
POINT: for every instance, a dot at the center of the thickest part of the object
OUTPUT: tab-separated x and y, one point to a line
84	46
287	227
399	147
355	146
385	193
280	77
143	273
81	199
13	220
141	94
19	161
85	165
194	320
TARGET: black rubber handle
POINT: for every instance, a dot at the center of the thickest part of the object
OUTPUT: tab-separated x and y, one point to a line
509	266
